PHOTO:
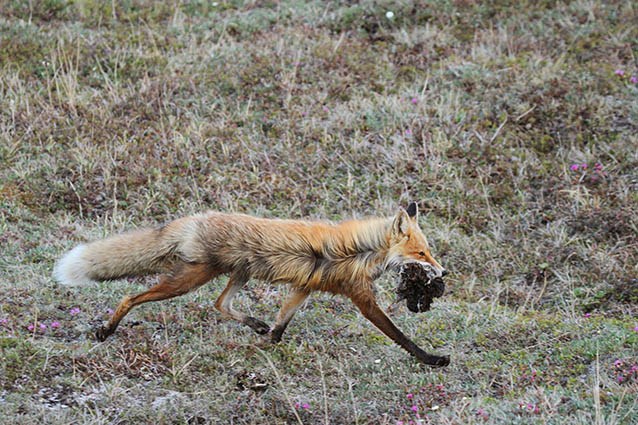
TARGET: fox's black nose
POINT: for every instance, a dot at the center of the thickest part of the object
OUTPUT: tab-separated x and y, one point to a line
444	273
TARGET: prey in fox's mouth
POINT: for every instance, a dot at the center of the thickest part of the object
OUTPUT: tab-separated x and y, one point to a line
418	284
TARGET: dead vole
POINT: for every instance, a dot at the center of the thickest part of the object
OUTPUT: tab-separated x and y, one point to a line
418	285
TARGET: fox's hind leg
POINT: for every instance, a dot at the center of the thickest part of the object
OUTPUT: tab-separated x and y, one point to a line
183	278
288	310
225	305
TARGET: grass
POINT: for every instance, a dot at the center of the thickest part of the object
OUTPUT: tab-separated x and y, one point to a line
115	115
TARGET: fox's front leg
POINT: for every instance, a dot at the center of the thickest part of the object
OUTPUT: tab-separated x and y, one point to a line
369	308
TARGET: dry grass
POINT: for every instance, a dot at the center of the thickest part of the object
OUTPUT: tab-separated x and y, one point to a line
122	114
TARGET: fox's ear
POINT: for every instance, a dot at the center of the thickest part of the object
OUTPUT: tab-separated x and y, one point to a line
401	223
413	211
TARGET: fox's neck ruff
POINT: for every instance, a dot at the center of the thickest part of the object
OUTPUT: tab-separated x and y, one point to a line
366	243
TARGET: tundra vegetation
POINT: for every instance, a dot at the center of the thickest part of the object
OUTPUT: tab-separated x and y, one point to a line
513	123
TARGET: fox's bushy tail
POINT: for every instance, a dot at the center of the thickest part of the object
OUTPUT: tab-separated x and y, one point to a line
136	253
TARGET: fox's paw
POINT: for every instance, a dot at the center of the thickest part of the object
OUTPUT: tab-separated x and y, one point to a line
257	325
437	361
433	360
102	333
442	361
275	334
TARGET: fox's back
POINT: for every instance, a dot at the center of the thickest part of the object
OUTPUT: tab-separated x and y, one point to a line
301	252
268	249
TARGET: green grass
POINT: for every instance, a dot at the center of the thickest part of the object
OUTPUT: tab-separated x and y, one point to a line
115	115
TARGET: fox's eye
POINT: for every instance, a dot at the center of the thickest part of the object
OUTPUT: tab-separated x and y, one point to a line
422	254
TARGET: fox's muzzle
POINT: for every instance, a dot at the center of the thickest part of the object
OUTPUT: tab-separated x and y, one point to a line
437	271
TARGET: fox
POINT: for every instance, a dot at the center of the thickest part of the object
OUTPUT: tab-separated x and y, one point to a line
343	258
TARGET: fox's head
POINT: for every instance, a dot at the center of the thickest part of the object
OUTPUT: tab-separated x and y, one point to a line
408	243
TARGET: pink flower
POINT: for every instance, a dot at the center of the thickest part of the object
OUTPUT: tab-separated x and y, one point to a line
43	326
408	132
414	408
414	100
74	311
620	378
109	311
583	166
574	167
31	327
531	407
399	422
598	166
4	321
618	363
587	315
410	395
325	109
636	329
483	414
619	72
305	406
55	325
633	79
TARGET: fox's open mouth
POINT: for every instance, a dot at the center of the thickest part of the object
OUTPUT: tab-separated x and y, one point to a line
418	285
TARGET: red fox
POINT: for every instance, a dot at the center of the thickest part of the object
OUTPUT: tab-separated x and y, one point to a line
343	258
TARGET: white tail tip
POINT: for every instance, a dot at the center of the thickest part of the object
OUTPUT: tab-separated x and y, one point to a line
72	268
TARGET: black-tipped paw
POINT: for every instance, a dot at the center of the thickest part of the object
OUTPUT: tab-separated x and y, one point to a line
275	335
102	333
439	361
257	325
433	360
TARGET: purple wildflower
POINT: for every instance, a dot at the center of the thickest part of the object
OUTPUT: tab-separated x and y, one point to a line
305	406
482	413
74	311
414	408
633	79
574	167
414	100
55	325
43	326
31	327
619	72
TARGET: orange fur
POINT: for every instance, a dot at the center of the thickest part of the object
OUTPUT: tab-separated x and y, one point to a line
343	258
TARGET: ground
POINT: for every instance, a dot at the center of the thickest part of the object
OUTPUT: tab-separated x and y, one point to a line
513	124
